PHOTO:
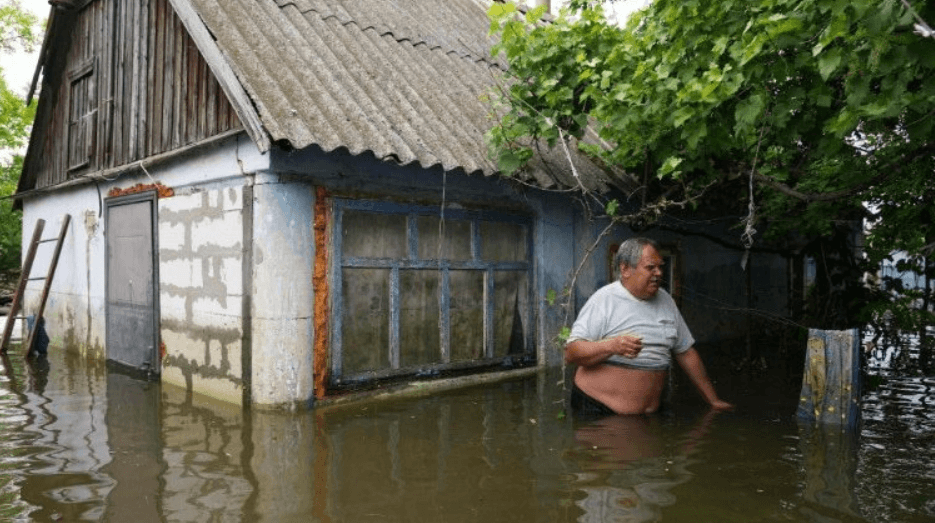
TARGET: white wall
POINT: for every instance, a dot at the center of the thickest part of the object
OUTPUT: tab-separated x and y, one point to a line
201	292
203	235
74	313
283	309
200	242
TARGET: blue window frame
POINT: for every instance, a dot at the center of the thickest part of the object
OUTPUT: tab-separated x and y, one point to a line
421	293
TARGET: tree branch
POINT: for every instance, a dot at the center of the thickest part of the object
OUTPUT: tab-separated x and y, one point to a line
893	167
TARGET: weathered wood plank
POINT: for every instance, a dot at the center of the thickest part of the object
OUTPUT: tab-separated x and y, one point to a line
203	81
133	81
831	382
148	100
168	102
211	108
191	92
119	88
224	74
178	82
105	68
151	90
158	77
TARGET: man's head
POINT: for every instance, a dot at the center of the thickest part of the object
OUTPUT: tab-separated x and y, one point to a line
640	267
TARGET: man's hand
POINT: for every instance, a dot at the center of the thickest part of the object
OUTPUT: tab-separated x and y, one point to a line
691	363
629	345
626	345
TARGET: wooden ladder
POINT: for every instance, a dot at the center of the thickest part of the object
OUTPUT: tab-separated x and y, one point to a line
24	279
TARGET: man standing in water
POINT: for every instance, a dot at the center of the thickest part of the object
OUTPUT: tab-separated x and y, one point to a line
625	337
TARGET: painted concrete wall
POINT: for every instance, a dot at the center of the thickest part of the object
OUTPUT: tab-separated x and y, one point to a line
283	308
235	251
201	244
201	267
552	213
555	263
714	290
74	313
235	267
723	300
236	254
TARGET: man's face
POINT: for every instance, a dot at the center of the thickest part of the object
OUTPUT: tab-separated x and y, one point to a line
643	281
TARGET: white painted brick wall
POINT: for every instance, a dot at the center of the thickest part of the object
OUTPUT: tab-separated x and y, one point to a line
212	314
172	307
232	273
178	272
226	232
171	237
180	202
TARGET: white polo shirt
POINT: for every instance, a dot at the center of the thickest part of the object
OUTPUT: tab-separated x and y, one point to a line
612	311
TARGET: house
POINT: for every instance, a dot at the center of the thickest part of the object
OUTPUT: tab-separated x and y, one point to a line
278	200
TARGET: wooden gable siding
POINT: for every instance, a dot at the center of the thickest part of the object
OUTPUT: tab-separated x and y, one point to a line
132	85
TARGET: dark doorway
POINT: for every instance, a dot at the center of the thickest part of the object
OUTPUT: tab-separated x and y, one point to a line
132	319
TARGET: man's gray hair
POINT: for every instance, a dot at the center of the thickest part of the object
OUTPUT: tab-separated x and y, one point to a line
631	251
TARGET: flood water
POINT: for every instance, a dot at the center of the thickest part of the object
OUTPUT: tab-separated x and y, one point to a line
81	443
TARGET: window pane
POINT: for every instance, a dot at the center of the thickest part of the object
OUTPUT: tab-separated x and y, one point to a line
380	261
510	306
365	320
372	235
467	315
457	244
79	121
668	273
503	242
419	334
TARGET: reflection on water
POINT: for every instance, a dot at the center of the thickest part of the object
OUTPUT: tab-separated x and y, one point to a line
631	469
80	442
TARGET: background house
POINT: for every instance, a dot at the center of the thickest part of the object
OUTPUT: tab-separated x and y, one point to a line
278	199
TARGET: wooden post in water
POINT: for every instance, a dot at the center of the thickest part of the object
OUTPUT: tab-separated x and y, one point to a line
831	383
829	458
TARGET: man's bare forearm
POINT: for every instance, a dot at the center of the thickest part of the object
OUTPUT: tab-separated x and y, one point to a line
691	363
587	353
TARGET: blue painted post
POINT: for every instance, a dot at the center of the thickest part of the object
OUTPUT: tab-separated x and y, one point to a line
831	383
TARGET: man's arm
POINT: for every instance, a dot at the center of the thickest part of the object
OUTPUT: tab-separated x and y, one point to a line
586	353
691	363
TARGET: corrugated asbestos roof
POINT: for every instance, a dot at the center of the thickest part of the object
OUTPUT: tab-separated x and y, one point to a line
405	80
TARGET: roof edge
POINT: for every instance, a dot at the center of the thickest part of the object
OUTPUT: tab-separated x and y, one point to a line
43	51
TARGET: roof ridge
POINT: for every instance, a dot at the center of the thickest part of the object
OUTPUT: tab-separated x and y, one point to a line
385	30
467	52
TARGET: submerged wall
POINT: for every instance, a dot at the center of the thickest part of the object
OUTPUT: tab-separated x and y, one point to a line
74	313
551	216
236	253
281	314
235	279
201	291
200	243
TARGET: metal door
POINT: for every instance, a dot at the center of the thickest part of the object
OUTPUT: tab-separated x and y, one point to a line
132	321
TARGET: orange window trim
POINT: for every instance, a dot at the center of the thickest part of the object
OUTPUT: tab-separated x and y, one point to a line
321	290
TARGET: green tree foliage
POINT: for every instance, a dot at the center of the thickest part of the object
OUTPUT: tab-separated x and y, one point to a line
824	107
11	221
18	31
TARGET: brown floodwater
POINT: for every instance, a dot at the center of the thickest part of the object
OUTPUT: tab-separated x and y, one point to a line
81	442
